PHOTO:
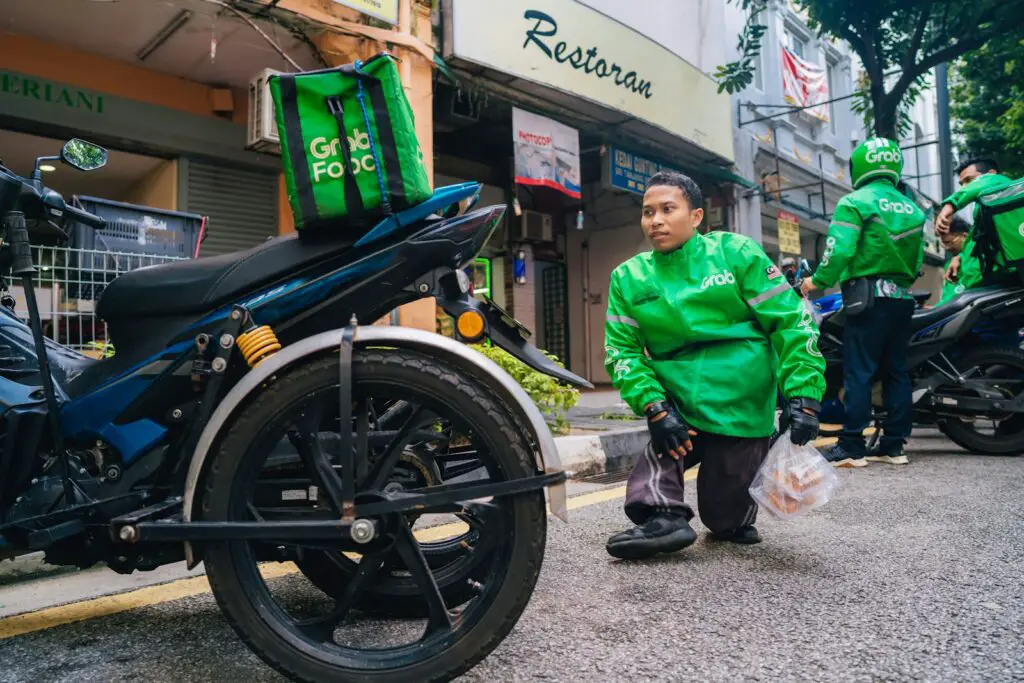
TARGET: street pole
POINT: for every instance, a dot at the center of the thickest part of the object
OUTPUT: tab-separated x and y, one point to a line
945	142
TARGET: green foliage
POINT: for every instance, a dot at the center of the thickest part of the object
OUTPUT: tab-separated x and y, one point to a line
987	101
736	76
898	41
105	348
552	397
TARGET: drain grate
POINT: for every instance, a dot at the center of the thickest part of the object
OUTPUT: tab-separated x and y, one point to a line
616	477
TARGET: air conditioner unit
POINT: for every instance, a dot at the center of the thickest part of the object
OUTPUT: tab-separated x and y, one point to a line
262	135
535	226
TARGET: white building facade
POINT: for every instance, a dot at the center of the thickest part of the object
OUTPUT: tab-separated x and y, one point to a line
801	159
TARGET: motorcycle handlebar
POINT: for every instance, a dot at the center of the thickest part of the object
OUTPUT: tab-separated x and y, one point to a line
85	217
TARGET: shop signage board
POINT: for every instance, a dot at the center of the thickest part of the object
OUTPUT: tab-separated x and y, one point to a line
565	45
789	232
547	153
631	172
40	103
385	10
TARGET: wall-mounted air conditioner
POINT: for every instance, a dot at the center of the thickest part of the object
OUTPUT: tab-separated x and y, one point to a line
534	226
262	131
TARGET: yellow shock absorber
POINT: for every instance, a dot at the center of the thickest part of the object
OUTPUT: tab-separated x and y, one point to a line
257	344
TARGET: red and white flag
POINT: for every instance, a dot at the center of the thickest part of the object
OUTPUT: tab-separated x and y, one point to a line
804	84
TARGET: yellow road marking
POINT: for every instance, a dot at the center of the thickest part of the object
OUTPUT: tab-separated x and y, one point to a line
185	588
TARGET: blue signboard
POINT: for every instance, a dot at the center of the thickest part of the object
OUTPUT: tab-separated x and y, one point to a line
630	172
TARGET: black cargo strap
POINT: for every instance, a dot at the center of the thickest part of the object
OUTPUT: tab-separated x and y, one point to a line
353	200
386	133
294	150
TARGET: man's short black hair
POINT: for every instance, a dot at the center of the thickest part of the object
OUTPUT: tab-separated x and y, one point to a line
959	224
683	182
984	164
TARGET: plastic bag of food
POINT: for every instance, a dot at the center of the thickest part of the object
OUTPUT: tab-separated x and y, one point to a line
793	480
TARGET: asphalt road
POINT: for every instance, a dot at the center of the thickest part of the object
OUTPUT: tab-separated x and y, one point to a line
911	573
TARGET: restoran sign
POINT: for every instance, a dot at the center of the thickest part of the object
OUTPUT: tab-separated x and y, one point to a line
568	46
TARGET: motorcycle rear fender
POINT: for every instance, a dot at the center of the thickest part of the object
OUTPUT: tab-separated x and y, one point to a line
428	343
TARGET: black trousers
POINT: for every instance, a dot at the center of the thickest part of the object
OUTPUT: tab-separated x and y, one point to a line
877	341
728	465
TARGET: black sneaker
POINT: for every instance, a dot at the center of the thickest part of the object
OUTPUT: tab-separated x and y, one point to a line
746	535
841	457
890	455
663	533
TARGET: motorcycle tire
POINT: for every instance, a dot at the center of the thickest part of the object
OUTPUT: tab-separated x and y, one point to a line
236	582
963	434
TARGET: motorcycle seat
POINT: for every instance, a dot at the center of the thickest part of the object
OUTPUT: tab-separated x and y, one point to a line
197	286
931	316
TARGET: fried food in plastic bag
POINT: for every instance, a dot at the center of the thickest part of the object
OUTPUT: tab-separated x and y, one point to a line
793	480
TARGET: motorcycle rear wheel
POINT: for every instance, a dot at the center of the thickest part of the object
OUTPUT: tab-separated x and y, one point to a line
1008	438
448	648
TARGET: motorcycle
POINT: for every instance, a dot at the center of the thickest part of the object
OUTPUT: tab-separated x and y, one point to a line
248	421
966	367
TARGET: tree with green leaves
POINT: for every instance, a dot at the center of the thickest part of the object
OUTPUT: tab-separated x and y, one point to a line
987	102
898	41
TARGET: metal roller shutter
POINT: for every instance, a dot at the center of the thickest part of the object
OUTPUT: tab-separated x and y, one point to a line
241	205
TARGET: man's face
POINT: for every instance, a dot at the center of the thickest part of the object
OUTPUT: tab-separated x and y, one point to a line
668	221
970	174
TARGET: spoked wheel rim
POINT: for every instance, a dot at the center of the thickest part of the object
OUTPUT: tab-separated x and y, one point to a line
490	524
424	463
991	431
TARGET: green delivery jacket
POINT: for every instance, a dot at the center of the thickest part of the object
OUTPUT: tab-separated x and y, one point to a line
876	231
703	326
970	266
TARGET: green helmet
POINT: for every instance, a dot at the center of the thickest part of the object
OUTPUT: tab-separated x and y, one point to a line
876	158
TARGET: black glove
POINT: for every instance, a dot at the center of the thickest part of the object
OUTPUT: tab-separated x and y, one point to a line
803	427
670	433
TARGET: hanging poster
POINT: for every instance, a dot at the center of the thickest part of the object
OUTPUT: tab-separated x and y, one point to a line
789	232
804	84
547	153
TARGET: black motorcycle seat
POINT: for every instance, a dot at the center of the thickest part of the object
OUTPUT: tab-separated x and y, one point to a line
197	286
931	316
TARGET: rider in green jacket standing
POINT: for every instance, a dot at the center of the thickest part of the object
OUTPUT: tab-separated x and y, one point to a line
977	177
875	248
691	337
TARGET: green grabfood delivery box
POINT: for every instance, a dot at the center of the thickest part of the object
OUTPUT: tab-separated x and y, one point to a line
348	145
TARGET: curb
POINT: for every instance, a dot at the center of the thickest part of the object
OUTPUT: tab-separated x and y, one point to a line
582	456
29	567
587	455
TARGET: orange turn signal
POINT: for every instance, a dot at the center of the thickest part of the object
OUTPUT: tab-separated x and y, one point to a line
470	325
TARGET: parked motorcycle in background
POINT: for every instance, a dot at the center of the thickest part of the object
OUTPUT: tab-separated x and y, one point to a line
965	361
248	421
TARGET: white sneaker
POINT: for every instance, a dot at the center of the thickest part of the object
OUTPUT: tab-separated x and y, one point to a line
890	459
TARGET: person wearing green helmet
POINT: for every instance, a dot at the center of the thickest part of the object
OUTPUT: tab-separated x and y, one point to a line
874	250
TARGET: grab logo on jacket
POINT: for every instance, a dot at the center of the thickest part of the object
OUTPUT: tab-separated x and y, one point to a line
718	279
895	207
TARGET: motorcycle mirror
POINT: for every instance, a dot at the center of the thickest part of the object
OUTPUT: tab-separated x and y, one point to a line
83	155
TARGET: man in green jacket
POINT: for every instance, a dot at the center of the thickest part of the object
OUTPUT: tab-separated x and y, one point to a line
953	242
690	341
875	248
978	176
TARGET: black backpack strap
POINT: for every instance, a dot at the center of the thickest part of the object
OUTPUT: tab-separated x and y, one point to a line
295	149
353	199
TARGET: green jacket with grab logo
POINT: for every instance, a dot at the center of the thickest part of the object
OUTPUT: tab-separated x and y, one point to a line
876	231
706	326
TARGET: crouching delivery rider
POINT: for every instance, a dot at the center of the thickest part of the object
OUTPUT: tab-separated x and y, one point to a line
875	248
691	339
